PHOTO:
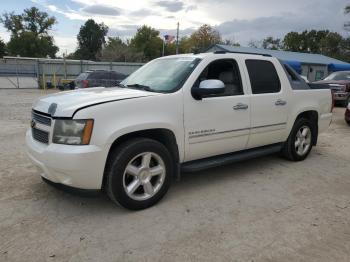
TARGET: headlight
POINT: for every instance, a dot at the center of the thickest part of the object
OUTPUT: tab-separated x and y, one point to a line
72	132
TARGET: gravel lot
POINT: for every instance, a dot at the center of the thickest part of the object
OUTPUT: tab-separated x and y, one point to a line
266	209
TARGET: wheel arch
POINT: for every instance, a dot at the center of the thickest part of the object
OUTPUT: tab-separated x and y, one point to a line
162	135
311	115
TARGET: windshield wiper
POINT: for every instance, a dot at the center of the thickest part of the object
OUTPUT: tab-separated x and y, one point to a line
121	85
142	87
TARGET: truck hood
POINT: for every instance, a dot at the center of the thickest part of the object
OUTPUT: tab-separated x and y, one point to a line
337	85
64	104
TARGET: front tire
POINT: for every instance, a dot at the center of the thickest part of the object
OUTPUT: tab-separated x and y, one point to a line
300	140
139	173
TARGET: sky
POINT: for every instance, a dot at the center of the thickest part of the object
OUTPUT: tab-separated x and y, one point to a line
237	20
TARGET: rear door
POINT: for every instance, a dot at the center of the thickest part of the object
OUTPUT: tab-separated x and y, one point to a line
269	102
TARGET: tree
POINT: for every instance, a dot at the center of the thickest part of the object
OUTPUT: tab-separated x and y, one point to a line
254	43
272	43
185	45
230	42
293	41
321	42
28	44
170	48
204	37
118	51
331	45
345	47
91	38
148	42
2	48
30	33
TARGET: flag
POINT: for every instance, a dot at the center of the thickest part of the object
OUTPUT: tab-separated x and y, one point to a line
169	39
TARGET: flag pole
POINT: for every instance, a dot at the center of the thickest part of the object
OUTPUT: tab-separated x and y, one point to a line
177	38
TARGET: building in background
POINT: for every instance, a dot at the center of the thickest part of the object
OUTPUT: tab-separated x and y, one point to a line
313	66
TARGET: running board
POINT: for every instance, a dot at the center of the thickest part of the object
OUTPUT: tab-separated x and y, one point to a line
201	164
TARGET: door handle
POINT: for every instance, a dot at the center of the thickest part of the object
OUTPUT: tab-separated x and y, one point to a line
240	106
280	102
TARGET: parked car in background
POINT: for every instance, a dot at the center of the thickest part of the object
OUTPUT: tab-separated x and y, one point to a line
95	78
339	83
305	78
66	84
347	114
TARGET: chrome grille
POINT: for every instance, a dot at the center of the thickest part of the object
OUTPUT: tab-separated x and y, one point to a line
42	119
41	136
41	125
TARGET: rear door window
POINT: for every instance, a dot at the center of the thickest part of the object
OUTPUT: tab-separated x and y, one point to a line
82	76
263	77
93	75
117	76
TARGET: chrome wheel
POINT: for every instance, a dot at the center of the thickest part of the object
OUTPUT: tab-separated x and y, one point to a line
144	176
303	140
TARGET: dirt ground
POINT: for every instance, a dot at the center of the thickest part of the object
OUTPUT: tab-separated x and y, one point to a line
266	209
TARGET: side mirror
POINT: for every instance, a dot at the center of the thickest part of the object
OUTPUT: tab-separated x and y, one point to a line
208	87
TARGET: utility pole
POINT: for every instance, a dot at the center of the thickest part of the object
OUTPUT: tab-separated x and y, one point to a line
163	46
177	38
17	72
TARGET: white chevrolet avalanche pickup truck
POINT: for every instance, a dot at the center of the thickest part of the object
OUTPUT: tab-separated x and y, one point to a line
175	114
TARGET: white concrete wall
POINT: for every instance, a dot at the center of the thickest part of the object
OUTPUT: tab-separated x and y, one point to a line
311	71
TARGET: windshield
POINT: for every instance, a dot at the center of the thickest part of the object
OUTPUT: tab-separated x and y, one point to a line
338	76
162	75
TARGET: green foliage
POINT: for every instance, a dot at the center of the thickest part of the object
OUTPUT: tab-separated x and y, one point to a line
170	49
200	40
347	9
230	42
185	45
30	33
91	37
30	45
272	43
254	44
148	42
2	48
118	51
318	42
267	43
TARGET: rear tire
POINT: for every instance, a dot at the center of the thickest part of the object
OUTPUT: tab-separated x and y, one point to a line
139	173
300	140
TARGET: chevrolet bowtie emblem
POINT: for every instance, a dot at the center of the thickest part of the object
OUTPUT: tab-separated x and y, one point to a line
32	123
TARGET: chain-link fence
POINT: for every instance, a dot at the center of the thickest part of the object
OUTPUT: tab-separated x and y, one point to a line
18	72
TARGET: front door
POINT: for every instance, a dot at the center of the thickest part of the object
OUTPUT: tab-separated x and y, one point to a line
217	124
